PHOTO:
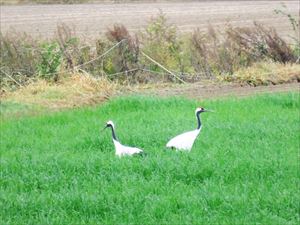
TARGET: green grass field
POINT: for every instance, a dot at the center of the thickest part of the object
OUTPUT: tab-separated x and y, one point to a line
57	168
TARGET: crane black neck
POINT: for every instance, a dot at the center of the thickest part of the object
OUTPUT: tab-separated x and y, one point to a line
113	133
199	120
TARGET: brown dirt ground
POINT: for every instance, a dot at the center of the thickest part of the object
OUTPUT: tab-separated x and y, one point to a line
208	90
90	20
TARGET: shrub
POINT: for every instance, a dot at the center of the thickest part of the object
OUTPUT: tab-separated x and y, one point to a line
50	62
126	56
295	24
75	52
260	42
160	41
18	53
18	57
215	54
68	44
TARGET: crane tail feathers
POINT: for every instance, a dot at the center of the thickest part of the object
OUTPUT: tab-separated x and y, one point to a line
142	154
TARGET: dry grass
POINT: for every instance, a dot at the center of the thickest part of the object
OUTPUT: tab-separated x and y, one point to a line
265	73
76	90
83	89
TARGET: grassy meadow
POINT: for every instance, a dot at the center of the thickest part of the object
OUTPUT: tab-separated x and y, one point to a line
58	168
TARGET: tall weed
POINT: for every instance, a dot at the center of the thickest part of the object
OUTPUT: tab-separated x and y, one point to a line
160	41
126	56
50	61
295	24
216	54
261	42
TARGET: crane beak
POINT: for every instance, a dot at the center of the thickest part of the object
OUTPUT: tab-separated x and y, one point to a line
103	129
206	110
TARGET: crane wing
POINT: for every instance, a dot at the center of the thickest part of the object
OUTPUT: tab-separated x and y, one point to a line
132	151
126	150
184	141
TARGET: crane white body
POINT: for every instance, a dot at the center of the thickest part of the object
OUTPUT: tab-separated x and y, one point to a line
121	150
186	140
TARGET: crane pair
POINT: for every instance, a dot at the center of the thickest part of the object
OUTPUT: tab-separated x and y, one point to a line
182	141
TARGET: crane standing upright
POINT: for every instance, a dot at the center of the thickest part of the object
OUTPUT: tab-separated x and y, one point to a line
186	140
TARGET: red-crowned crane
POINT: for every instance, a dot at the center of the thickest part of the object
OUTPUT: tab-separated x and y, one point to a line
121	150
186	140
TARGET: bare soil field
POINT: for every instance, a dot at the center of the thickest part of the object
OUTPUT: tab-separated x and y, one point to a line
90	20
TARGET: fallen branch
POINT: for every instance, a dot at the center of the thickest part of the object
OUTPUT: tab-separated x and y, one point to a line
11	78
164	68
100	56
126	71
151	71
